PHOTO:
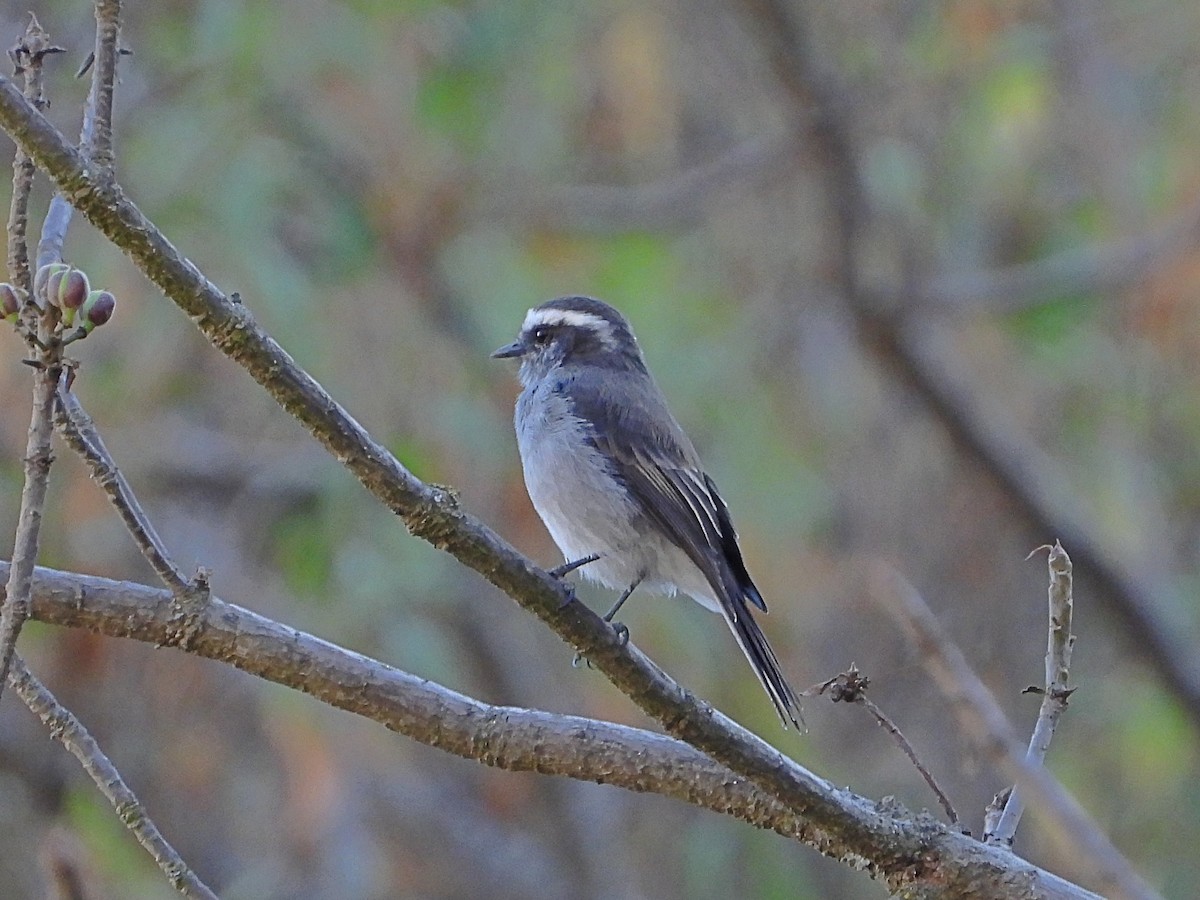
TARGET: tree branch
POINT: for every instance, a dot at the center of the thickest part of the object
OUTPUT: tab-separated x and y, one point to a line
941	863
77	429
47	365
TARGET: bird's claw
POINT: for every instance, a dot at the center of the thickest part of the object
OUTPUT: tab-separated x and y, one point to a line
622	633
569	594
559	573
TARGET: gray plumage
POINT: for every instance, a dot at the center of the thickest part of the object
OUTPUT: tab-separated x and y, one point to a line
610	472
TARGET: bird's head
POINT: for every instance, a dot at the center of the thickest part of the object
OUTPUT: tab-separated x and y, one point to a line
572	331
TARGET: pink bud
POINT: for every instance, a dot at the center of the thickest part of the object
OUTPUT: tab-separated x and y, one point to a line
73	289
97	309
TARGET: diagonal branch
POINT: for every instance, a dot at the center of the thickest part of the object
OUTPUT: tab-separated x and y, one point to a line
69	731
525	740
901	343
77	429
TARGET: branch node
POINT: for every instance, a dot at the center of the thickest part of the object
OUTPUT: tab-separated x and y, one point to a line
188	609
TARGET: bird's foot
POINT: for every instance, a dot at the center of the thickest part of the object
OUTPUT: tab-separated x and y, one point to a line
560	572
619	629
622	632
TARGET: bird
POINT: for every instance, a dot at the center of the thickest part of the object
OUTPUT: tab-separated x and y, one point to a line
617	482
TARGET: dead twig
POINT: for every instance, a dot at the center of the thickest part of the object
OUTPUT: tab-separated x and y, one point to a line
984	721
851	687
1055	694
79	431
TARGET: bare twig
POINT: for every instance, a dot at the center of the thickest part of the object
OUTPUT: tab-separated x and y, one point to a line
47	366
78	430
851	687
1055	694
951	865
104	76
1029	480
985	722
68	730
95	132
27	57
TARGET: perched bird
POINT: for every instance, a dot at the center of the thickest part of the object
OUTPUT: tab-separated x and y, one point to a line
614	477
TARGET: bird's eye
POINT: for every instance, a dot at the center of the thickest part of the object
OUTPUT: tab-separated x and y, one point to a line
541	336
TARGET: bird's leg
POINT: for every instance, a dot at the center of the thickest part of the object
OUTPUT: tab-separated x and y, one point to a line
568	568
620	629
559	572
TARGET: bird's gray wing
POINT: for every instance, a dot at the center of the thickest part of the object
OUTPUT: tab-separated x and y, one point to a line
656	461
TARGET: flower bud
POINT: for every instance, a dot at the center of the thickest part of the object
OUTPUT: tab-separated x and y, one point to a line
10	306
96	310
41	282
73	289
53	280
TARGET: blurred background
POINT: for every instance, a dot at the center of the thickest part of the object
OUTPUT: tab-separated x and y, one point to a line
391	185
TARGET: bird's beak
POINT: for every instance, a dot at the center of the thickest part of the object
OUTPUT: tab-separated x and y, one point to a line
508	351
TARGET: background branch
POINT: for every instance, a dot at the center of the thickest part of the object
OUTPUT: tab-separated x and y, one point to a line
900	340
985	722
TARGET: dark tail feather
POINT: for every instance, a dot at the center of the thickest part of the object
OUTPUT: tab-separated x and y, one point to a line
765	664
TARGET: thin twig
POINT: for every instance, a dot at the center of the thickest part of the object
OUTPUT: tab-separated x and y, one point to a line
984	720
78	430
1055	694
95	131
69	731
104	76
851	687
47	367
27	57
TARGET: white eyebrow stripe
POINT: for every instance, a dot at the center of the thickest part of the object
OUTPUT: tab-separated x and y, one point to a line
551	317
573	318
